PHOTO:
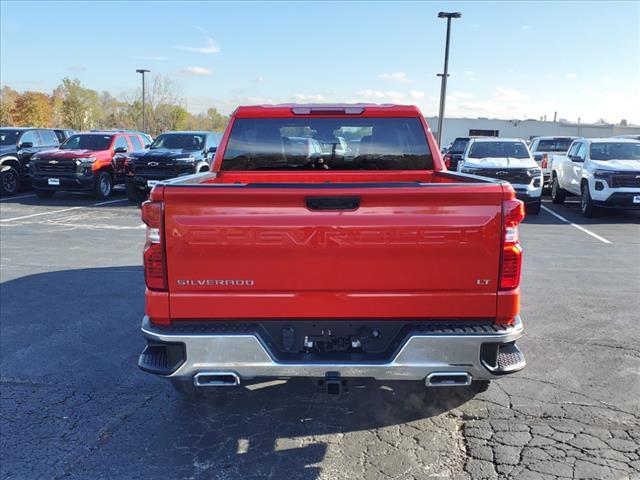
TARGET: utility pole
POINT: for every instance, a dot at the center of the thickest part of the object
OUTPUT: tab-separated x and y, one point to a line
445	74
142	71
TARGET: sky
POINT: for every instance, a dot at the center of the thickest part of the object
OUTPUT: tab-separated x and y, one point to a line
511	60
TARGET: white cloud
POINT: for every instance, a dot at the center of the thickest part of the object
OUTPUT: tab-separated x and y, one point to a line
395	76
525	27
379	95
198	71
571	76
469	73
503	94
259	79
209	49
416	94
301	97
151	58
458	95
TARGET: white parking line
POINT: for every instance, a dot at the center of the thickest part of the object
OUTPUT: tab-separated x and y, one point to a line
4	220
579	227
16	198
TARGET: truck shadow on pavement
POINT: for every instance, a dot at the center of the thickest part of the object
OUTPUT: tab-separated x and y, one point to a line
68	336
28	198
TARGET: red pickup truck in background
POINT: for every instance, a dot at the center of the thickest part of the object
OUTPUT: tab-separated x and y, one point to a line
86	162
350	253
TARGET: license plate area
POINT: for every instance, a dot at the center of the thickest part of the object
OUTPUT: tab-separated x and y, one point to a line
53	181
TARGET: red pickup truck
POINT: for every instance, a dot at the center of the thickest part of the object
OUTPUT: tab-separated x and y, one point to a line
350	253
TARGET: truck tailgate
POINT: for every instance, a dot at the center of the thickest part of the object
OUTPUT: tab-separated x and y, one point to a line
422	251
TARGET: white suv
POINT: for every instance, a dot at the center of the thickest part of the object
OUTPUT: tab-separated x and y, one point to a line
605	172
506	159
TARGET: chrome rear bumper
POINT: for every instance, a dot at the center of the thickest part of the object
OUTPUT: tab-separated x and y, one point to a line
421	355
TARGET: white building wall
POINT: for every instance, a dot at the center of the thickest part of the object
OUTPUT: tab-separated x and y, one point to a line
525	129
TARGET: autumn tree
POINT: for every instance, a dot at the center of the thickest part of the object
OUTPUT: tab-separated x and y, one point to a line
8	97
71	105
33	109
80	107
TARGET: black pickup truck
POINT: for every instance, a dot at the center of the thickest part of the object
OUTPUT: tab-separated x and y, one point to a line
172	154
17	146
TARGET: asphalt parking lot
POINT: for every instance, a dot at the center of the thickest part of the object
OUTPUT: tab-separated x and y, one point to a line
75	405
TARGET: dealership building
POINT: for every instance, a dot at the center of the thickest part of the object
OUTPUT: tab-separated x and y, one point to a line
526	129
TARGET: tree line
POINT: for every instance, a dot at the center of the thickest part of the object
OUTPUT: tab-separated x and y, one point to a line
71	105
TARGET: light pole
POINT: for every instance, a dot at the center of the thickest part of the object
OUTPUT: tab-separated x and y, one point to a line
443	88
142	71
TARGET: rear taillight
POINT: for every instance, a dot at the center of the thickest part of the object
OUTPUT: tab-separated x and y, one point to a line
447	160
155	271
545	161
511	262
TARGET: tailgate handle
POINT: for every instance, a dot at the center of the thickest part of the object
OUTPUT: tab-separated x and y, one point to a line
333	203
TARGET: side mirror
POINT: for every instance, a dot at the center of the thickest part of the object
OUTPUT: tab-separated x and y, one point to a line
147	145
120	150
575	158
26	145
212	150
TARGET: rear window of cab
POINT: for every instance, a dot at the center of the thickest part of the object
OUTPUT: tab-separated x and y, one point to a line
327	143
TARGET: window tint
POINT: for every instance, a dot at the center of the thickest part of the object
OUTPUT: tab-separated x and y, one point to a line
32	137
179	141
49	138
301	144
135	141
574	148
498	149
459	144
582	151
87	142
615	151
211	142
553	145
9	137
121	141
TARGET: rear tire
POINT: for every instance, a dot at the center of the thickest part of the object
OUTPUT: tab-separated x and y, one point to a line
103	186
9	181
45	193
587	208
557	193
135	194
534	208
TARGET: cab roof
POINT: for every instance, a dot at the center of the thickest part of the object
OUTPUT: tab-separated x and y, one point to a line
293	110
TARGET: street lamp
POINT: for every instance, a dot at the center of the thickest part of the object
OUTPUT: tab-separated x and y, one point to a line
443	88
142	71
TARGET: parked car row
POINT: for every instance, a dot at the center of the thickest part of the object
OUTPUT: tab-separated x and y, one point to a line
603	172
53	160
17	146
